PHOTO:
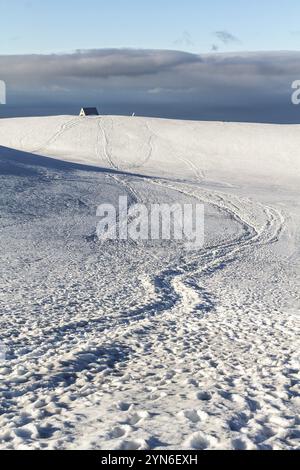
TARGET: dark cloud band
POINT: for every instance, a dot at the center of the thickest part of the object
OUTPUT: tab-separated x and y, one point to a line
226	80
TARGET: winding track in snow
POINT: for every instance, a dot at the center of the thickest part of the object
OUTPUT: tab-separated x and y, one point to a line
104	146
169	284
176	296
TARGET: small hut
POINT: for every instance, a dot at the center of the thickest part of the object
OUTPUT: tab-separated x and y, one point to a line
89	112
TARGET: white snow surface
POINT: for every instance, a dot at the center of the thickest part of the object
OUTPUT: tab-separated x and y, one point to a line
148	345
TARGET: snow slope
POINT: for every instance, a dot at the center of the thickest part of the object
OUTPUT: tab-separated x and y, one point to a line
164	147
146	345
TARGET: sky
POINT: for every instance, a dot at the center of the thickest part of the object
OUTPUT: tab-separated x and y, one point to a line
36	26
218	59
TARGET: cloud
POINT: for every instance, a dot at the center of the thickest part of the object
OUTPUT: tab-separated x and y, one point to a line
185	40
248	81
103	63
226	38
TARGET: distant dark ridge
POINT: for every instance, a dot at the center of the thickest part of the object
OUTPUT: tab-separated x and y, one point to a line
273	115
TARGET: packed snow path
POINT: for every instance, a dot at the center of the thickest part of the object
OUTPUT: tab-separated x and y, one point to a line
146	345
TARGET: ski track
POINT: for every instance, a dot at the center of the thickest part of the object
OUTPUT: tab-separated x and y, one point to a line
63	129
166	348
199	174
104	147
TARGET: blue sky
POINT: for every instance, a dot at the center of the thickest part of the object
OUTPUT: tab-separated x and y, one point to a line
36	26
150	57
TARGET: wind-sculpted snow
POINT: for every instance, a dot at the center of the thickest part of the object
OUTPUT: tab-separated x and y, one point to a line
137	345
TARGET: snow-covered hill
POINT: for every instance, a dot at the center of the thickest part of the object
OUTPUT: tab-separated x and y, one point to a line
163	147
147	345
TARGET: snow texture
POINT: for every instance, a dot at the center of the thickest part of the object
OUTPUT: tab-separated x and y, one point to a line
148	345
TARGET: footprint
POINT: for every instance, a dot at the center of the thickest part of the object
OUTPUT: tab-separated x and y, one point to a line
122	406
264	434
235	398
242	443
204	396
29	431
157	396
201	441
138	417
192	382
194	415
237	423
120	431
253	405
225	395
139	444
280	421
